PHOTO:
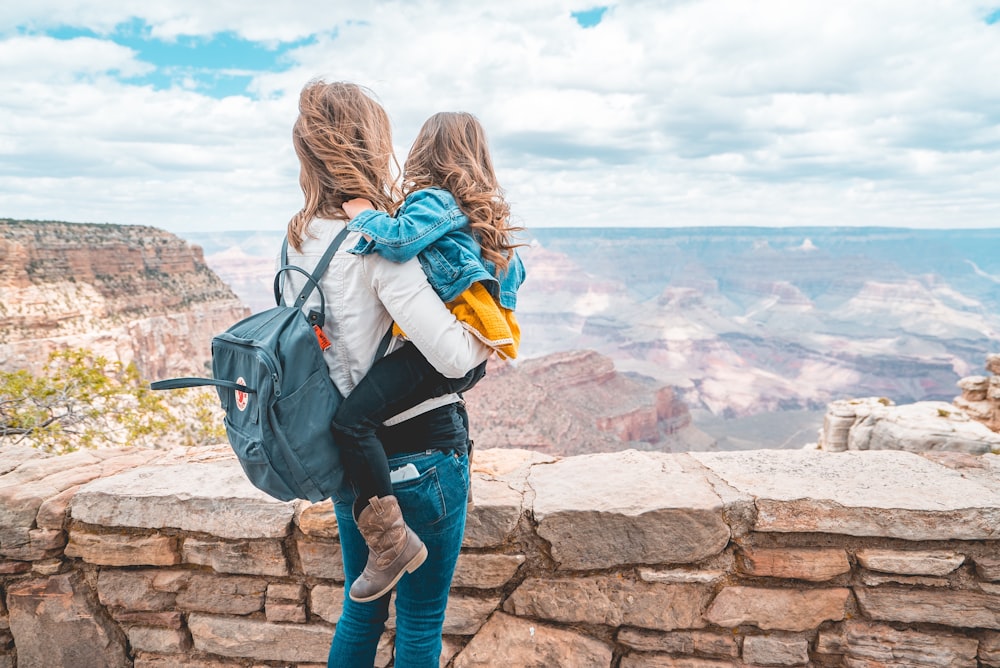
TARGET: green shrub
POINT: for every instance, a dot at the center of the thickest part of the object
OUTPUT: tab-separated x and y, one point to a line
83	400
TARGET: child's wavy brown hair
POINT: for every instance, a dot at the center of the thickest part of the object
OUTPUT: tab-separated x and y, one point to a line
451	152
343	139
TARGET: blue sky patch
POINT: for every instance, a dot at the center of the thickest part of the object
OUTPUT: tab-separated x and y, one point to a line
219	65
993	17
589	18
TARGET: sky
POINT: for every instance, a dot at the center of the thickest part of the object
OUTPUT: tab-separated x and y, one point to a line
178	114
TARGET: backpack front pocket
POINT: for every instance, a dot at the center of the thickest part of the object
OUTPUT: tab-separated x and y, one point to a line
307	413
256	462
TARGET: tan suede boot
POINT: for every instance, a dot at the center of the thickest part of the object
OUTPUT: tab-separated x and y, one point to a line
393	549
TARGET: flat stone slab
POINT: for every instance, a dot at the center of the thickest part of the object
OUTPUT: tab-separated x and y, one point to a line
524	642
875	493
208	496
498	486
260	640
631	507
494	517
27	486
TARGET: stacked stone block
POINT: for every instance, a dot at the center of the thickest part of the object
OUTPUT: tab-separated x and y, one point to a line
621	560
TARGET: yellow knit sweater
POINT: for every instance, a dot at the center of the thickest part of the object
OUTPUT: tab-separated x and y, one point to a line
493	324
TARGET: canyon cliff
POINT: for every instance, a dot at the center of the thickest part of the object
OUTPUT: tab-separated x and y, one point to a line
745	321
574	403
128	292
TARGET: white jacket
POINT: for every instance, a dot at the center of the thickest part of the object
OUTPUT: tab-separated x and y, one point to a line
364	295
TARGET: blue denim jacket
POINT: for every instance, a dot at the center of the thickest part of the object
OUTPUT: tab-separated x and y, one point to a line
431	227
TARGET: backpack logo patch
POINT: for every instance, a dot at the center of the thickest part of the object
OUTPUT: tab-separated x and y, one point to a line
242	398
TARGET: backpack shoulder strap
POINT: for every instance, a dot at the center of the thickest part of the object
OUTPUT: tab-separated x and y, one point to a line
313	279
383	345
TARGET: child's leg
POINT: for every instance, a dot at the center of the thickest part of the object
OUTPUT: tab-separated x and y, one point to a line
396	382
469	380
393	384
361	414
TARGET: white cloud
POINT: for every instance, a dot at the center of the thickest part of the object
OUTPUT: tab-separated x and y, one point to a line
53	62
713	112
265	22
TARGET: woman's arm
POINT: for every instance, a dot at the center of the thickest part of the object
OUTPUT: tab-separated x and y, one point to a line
411	301
426	216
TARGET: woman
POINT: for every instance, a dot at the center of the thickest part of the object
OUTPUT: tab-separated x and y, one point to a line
343	141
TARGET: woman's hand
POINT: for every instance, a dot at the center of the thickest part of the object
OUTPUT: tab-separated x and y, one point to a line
353	207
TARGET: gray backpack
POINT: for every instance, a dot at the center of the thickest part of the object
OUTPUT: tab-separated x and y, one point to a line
277	394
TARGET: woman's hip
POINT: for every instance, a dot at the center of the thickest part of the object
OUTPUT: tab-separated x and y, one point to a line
444	428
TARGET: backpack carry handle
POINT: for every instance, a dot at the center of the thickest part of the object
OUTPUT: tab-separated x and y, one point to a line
314	317
178	383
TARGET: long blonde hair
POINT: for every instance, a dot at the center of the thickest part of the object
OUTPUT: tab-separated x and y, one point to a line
451	152
343	139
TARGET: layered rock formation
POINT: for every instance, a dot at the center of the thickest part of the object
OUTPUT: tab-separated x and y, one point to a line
969	424
926	426
140	294
148	559
574	403
127	292
980	396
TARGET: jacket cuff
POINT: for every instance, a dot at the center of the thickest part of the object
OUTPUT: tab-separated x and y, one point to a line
357	224
362	247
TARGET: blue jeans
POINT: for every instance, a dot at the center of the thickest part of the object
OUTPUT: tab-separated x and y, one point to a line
434	507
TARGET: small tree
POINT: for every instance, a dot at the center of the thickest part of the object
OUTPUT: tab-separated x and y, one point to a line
83	400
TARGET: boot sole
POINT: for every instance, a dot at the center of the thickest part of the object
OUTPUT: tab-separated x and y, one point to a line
414	563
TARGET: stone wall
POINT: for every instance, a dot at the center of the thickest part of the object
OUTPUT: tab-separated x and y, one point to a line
699	560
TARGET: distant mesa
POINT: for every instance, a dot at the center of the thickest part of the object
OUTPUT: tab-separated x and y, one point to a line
574	403
128	292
